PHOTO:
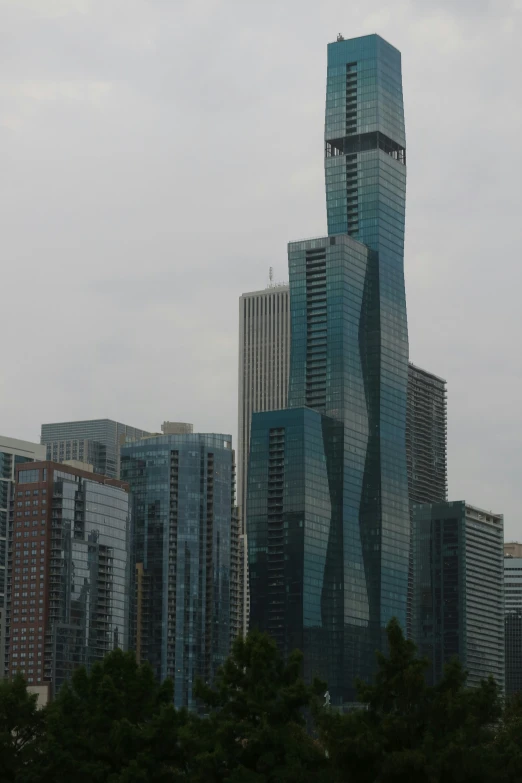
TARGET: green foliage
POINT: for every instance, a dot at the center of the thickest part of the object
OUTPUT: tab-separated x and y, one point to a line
256	730
115	724
410	731
21	728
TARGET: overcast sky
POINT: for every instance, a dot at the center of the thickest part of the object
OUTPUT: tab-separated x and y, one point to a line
157	156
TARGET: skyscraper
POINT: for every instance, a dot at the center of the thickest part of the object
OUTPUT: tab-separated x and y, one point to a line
68	574
513	620
183	552
13	452
330	564
264	362
458	607
426	437
96	442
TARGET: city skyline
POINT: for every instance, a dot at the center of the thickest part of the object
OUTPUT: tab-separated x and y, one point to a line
450	238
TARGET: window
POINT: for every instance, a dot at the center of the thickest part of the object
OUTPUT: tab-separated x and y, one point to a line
28	477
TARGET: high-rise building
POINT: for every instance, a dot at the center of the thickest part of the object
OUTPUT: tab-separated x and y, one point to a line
264	363
426	439
335	541
184	555
68	572
96	442
458	607
264	366
13	452
513	619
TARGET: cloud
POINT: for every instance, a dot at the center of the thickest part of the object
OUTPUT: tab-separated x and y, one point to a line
47	8
158	156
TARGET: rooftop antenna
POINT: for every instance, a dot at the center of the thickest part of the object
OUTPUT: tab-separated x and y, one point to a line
340	37
270	276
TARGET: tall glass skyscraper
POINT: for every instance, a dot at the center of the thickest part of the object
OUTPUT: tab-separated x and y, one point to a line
182	488
327	509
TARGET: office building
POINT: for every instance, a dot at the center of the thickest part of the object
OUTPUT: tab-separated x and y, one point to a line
264	363
96	442
68	572
513	618
336	542
13	452
458	607
426	454
184	553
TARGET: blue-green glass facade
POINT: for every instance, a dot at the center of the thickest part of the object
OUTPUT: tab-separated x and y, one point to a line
182	490
295	535
349	363
458	600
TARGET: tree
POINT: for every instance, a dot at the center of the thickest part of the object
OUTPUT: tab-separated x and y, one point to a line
114	724
508	743
408	730
21	728
256	731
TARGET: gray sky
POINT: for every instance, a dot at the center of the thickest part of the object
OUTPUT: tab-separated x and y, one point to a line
156	157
